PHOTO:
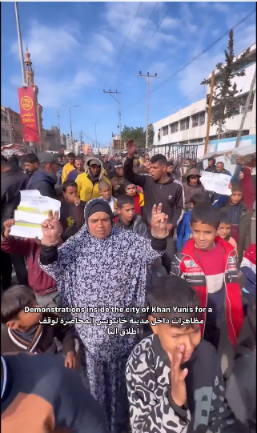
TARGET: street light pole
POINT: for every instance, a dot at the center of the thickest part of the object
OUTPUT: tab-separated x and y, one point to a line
147	76
24	81
96	134
71	136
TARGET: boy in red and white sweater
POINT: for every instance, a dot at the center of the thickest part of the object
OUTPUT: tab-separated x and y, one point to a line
209	264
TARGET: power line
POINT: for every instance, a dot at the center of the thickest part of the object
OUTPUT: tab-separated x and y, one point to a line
126	38
134	46
150	16
159	25
198	55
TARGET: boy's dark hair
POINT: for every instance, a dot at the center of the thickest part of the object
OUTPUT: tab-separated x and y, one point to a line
224	217
171	292
113	174
236	187
159	158
200	199
125	199
14	300
71	155
205	214
127	183
14	161
68	183
31	158
79	158
212	159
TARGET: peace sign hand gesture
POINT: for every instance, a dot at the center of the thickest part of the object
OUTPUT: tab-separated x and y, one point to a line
51	229
159	222
178	385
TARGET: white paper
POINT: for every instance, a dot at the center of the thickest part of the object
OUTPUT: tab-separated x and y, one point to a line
31	213
216	182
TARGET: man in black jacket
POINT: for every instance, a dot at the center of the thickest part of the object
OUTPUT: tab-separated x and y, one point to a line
128	219
159	187
12	182
211	165
44	175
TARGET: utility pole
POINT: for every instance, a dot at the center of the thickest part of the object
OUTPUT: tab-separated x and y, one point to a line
148	77
24	81
96	134
58	119
111	93
81	139
71	135
239	134
209	113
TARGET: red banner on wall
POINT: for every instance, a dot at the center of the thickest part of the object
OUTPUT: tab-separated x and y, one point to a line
28	114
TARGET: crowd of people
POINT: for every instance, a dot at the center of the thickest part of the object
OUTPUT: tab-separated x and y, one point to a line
137	306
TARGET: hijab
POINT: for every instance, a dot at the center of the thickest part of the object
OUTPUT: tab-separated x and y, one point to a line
97	205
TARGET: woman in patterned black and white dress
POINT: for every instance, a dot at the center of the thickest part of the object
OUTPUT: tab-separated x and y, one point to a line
102	268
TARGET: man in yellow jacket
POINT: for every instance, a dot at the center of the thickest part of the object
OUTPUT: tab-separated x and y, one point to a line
88	182
69	166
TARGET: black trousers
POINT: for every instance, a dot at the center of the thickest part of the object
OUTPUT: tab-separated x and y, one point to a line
7	262
6	270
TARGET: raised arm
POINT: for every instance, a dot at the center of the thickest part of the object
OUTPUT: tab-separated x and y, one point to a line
129	174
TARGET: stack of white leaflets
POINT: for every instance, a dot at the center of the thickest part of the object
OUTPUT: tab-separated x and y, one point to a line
31	213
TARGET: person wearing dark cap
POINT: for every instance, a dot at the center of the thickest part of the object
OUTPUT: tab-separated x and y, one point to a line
88	182
118	167
44	177
102	270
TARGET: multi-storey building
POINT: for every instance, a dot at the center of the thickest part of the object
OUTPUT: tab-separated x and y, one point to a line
11	127
188	126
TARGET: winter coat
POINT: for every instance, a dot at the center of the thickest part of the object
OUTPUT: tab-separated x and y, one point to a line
211	169
169	194
138	226
149	384
12	182
190	190
244	239
39	280
184	232
44	182
248	269
241	385
66	170
186	265
86	189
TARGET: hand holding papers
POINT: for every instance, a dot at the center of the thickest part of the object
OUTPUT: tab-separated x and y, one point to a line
31	213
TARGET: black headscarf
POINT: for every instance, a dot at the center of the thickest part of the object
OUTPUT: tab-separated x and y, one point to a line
97	205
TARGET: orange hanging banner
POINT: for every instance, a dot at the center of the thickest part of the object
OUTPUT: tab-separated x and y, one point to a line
28	114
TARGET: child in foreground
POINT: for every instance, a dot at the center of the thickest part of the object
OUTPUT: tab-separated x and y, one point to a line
40	395
174	379
72	208
24	333
209	264
184	232
128	219
224	229
105	190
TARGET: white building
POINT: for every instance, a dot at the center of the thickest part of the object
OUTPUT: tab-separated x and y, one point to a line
188	126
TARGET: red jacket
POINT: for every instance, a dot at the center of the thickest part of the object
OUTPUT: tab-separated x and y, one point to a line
187	266
39	281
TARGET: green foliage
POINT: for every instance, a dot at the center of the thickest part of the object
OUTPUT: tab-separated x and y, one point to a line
226	95
138	134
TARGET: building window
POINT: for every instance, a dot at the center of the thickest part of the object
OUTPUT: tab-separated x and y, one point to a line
184	124
198	119
240	105
174	127
165	130
159	135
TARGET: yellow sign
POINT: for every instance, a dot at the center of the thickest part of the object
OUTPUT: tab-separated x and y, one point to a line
26	103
